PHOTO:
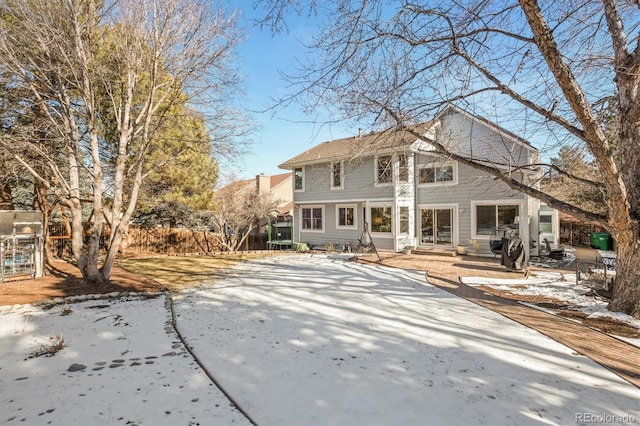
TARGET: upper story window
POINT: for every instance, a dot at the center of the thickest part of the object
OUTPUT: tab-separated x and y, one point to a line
403	168
298	179
336	175
437	173
384	170
312	218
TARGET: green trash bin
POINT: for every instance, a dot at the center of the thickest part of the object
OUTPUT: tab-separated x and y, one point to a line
601	240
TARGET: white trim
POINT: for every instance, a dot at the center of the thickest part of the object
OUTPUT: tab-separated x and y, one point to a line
396	160
455	222
390	205
355	216
335	188
324	216
400	233
304	172
375	170
346	201
436	164
523	215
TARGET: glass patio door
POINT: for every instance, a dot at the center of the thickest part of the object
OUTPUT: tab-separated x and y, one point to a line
436	227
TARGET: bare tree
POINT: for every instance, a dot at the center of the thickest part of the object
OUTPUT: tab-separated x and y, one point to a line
105	75
547	71
237	212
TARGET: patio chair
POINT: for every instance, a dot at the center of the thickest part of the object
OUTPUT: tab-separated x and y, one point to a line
553	253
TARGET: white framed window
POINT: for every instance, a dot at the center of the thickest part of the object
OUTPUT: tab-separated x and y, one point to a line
298	179
403	168
487	216
312	218
337	175
384	170
438	173
381	219
403	212
546	223
346	216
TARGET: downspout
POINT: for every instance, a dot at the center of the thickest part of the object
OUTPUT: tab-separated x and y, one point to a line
293	222
417	230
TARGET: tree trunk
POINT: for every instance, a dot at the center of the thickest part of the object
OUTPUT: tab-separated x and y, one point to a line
626	290
85	254
40	202
116	238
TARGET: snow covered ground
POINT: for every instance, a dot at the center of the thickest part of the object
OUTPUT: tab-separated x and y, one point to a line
299	340
560	286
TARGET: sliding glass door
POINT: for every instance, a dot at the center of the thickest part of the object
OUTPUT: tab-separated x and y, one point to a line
436	226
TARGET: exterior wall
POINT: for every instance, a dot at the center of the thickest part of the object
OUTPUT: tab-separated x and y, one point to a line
334	235
358	183
477	140
470	189
282	192
331	234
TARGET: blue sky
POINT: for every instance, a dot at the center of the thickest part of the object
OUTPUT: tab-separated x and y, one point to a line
286	132
289	132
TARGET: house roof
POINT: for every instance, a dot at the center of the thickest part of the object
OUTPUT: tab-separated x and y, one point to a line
244	185
354	146
287	208
237	186
278	179
371	143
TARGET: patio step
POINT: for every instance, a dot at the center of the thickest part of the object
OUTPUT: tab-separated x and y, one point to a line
434	252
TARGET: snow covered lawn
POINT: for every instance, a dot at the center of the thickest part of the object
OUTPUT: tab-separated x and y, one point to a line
318	340
135	372
563	288
299	340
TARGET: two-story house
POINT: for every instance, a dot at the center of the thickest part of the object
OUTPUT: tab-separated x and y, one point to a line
409	195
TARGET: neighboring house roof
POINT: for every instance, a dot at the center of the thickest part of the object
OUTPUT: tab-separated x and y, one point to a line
245	185
238	186
278	179
287	208
392	138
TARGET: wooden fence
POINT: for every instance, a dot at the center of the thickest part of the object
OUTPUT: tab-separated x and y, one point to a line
156	240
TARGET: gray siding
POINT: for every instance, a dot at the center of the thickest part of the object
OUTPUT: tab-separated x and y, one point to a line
477	140
472	185
358	183
462	134
334	235
331	234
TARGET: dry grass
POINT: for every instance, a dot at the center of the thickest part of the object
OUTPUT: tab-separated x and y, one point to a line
181	272
604	324
608	325
55	345
529	298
